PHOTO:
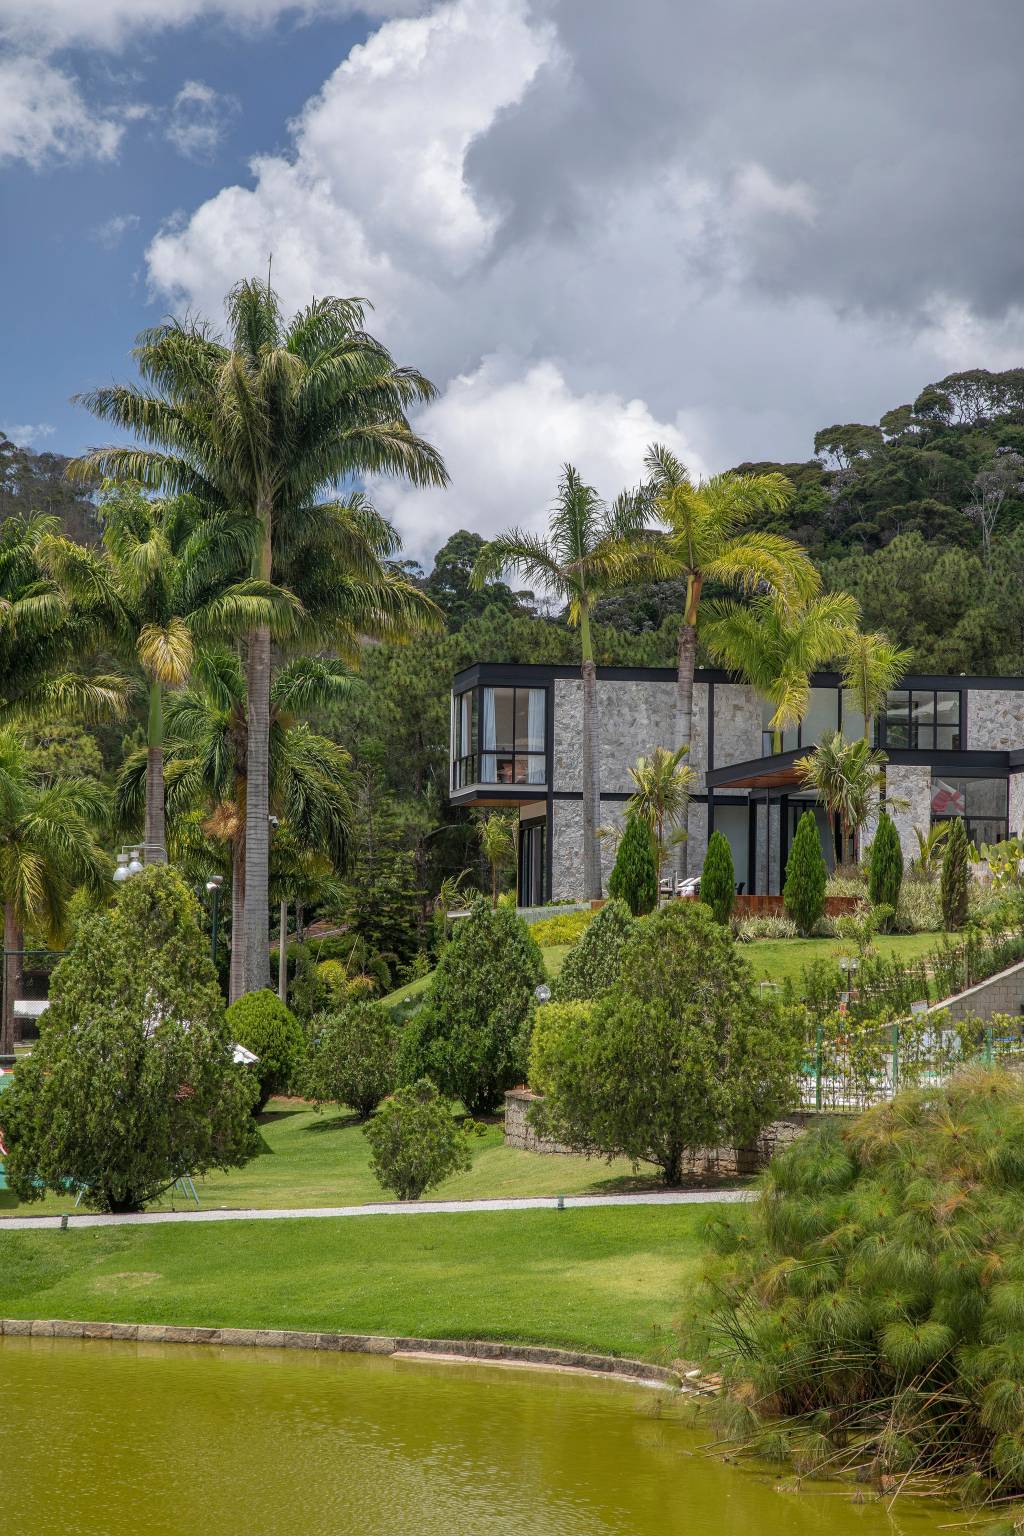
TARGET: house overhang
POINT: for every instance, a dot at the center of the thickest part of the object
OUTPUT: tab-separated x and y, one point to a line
780	770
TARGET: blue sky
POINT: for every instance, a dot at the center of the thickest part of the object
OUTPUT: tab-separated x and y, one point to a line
586	239
81	285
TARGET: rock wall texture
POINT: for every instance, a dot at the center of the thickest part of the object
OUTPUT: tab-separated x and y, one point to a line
914	785
633	719
719	1162
1016	808
995	719
1002	993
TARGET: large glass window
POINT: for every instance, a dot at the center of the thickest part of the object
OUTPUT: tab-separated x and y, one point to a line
822	716
981	802
920	720
498	737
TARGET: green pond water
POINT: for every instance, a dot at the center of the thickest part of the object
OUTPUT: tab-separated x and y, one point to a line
121	1440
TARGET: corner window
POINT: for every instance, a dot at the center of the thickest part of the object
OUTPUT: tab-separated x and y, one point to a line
498	736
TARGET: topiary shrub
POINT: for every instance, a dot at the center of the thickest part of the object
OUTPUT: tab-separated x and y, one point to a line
806	876
131	1084
634	879
262	1023
469	1035
592	965
415	1141
718	877
867	1311
680	1056
956	875
351	1057
885	865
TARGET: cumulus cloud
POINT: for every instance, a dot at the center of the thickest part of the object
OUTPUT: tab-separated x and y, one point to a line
505	432
198	119
561	220
43	116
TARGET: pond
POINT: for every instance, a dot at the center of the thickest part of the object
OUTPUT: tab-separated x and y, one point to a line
117	1440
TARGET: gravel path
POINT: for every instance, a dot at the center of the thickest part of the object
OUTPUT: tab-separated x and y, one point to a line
411	1208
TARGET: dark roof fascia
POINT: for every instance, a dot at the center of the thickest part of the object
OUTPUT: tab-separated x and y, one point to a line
532	673
975	764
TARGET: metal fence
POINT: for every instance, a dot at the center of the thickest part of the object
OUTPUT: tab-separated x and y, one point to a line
849	1065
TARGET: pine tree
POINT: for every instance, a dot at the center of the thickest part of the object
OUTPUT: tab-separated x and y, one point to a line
955	876
718	877
885	868
634	879
806	876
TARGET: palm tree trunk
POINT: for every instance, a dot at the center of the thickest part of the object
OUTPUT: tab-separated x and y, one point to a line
282	955
237	916
256	975
591	765
155	848
686	665
12	969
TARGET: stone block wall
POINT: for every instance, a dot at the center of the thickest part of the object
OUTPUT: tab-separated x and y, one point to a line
633	719
1002	993
995	719
1016	804
914	785
717	1162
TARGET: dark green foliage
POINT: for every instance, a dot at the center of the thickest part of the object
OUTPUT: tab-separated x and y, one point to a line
262	1023
806	876
955	876
718	877
634	879
885	868
681	1055
416	1141
131	1083
351	1057
468	1036
592	965
875	1292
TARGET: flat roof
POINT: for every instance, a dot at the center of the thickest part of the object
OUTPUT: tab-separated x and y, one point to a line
511	672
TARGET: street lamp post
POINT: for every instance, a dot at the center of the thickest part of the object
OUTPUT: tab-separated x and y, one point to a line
129	862
213	885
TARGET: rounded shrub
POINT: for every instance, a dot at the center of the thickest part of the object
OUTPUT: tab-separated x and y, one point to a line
469	1035
351	1057
415	1141
885	865
634	879
592	965
806	876
132	1082
262	1023
718	877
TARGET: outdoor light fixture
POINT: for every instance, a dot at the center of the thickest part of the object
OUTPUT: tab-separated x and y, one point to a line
542	993
129	862
135	863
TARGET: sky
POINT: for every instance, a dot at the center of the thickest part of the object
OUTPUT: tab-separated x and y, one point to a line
593	224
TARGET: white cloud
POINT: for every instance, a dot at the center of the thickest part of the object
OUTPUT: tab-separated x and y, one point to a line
198	119
43	116
757	191
505	432
112	231
28	434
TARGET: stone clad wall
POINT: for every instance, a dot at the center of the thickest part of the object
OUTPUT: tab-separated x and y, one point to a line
1016	805
915	786
633	718
720	1162
1002	993
995	719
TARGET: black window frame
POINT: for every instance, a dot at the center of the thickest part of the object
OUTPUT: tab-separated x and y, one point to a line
1002	823
467	767
920	738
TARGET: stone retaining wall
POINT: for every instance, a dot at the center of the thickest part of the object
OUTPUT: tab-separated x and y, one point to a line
343	1343
1002	993
721	1162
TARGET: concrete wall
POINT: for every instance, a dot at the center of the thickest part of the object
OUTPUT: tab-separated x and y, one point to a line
914	785
995	719
1002	993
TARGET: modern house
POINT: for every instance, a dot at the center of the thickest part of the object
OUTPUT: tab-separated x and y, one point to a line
955	747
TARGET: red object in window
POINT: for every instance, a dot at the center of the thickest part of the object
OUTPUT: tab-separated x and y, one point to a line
947	801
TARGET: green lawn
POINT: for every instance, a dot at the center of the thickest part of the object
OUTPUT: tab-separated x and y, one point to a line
323	1159
777	959
605	1279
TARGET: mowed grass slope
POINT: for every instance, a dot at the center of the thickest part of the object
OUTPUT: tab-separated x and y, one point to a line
612	1280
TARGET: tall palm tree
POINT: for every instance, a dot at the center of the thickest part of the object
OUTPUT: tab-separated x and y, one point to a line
207	748
164	579
662	795
871	667
775	645
499	835
47	850
848	776
706	542
592	549
268	421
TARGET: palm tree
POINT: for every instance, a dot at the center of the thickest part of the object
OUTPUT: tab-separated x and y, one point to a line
706	542
929	844
848	776
592	550
663	783
775	646
207	749
47	850
872	666
498	844
267	422
164	579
